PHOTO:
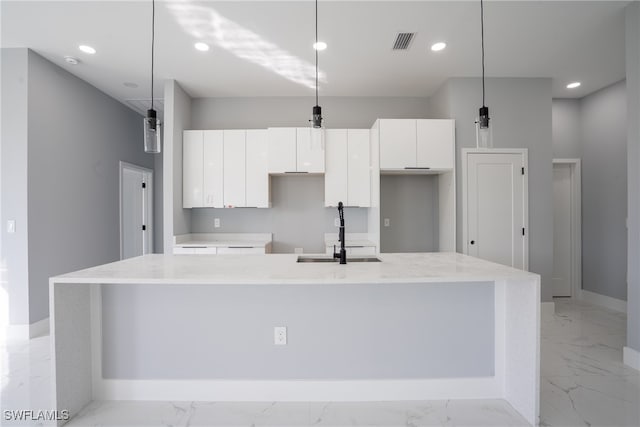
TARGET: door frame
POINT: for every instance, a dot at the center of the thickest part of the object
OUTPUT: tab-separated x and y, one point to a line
576	223
524	152
147	244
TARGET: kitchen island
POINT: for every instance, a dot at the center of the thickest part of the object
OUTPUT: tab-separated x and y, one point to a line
201	328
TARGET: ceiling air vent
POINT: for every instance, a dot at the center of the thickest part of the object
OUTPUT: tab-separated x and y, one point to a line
403	40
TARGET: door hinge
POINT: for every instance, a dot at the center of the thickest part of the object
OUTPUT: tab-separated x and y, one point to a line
144	185
144	228
522	171
523	231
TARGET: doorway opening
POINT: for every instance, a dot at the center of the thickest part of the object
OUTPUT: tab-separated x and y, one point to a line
136	210
567	228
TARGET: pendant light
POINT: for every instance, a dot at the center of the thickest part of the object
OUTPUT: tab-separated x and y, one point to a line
152	134
316	120
483	130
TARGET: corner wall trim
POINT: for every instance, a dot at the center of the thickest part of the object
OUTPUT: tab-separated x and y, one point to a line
631	357
604	301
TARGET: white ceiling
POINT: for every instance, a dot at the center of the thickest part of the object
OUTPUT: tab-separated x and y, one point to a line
263	48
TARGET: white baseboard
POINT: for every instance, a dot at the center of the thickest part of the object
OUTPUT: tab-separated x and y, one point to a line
604	301
631	357
39	328
547	308
26	332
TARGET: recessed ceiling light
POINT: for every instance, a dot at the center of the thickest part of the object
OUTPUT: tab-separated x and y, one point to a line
320	46
71	60
87	49
131	85
573	85
202	47
438	46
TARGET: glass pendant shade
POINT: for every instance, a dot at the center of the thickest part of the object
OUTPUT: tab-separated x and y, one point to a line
152	134
484	132
316	120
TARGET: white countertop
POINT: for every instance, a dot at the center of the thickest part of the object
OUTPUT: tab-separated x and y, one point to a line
274	269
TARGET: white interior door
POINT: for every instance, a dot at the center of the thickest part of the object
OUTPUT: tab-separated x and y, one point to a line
562	226
494	211
136	236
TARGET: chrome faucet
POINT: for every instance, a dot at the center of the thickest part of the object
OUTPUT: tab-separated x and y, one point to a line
343	252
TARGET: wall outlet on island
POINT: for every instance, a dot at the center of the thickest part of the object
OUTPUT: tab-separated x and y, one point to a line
216	222
280	335
336	222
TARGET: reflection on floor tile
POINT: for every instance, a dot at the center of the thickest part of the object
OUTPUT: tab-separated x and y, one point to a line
584	383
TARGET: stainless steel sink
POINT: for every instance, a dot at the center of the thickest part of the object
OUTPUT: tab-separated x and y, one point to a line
327	259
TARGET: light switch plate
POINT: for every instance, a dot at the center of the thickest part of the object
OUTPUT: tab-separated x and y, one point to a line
280	335
387	222
336	222
11	226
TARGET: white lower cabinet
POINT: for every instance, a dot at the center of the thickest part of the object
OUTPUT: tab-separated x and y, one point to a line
194	250
212	250
347	175
354	250
241	250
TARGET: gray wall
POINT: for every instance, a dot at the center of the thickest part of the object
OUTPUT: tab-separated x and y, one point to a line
297	219
604	191
62	141
177	113
632	23
77	137
338	112
521	118
411	204
567	138
371	331
14	265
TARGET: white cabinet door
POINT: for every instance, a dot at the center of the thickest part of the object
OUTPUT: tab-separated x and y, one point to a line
282	150
310	150
234	168
358	178
205	251
180	250
397	143
192	179
435	144
240	250
213	153
257	173
335	175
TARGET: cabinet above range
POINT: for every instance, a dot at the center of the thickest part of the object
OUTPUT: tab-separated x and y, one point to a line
295	150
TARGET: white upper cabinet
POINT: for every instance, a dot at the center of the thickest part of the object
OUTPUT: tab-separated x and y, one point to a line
310	150
397	143
212	156
192	167
282	150
335	175
435	144
358	179
417	144
257	183
234	168
347	175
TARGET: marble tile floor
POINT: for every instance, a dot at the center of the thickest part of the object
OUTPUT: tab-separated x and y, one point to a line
583	383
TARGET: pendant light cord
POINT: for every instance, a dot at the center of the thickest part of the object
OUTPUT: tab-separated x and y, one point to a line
153	34
482	40
316	49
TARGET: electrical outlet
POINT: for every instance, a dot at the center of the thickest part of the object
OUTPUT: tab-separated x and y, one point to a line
336	222
11	226
216	223
280	335
387	222
298	250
